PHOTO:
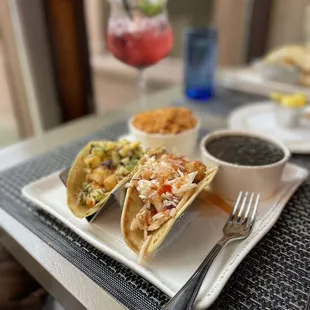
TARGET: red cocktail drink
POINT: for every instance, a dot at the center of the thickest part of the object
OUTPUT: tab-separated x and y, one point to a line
141	43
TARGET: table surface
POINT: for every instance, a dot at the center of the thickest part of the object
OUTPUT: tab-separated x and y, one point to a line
62	279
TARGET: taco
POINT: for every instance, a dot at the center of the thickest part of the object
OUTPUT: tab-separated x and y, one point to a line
158	194
98	170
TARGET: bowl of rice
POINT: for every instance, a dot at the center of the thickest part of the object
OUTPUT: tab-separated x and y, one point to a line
174	128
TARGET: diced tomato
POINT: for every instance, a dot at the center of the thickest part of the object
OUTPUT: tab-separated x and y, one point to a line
166	188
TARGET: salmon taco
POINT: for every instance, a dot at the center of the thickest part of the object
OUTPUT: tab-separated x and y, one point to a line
159	192
98	170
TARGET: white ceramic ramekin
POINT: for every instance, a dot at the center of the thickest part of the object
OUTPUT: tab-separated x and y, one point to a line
183	143
287	117
231	178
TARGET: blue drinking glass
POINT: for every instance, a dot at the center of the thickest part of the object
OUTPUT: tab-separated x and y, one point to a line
200	57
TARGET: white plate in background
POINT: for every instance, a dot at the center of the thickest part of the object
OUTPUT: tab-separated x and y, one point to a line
260	117
249	81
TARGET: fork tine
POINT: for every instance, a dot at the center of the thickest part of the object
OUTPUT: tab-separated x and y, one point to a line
232	215
255	208
252	209
248	210
242	207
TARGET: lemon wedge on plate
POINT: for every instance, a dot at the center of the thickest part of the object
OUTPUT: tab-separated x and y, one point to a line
291	101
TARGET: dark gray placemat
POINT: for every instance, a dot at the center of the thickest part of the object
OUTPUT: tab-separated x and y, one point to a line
130	289
275	274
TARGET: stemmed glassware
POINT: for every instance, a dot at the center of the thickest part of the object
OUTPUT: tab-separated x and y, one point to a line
139	34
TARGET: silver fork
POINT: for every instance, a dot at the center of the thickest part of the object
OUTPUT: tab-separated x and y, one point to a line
238	226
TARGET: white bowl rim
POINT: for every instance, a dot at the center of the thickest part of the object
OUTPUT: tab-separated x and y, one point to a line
163	135
229	132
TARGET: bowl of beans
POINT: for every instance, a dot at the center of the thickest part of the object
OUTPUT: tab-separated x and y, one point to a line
247	161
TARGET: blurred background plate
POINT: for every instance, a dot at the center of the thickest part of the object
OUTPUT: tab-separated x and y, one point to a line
287	74
251	81
260	117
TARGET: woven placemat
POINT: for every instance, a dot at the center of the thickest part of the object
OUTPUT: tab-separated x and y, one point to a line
275	274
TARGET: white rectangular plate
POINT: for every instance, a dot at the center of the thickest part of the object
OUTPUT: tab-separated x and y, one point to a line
189	242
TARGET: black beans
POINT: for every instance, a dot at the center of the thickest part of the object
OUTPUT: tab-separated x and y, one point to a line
244	150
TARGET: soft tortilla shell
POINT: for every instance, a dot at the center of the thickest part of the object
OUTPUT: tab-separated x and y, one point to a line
133	204
76	177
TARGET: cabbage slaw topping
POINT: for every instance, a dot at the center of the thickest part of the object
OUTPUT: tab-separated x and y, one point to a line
164	185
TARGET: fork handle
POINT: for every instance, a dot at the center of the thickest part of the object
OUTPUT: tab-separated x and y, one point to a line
186	297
